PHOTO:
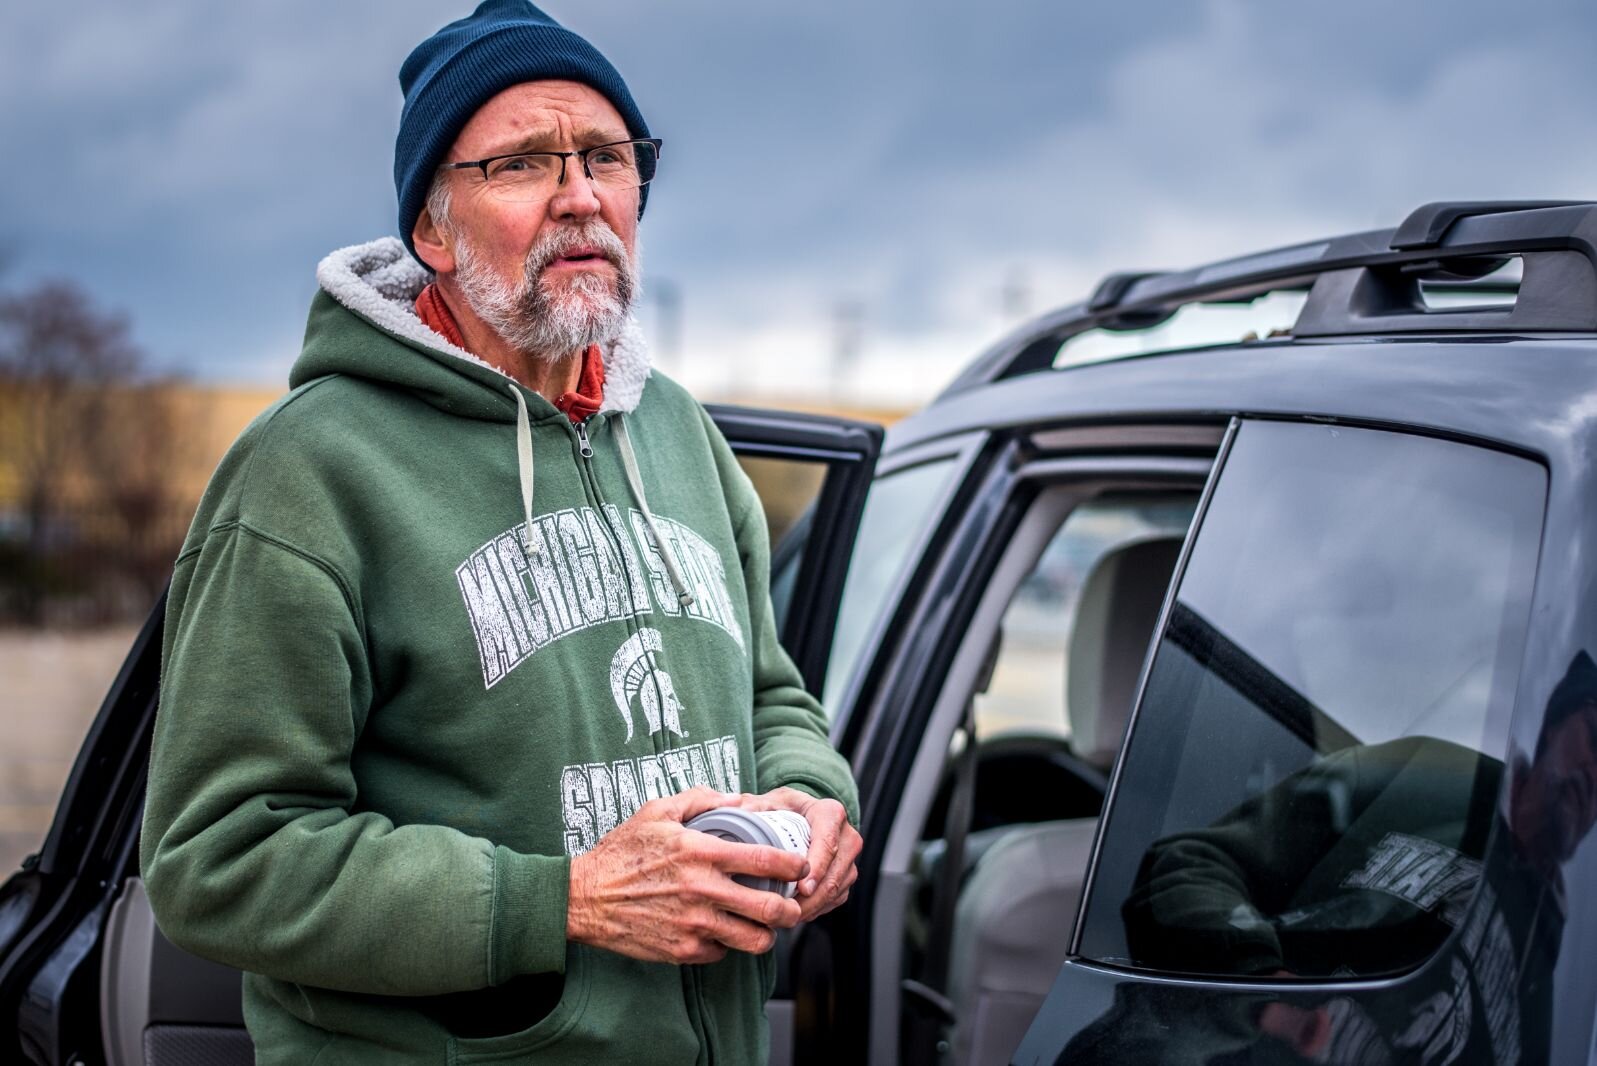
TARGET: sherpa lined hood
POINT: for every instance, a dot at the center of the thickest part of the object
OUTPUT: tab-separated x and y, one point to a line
379	282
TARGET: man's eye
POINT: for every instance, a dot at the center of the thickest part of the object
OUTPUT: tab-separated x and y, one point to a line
517	166
607	158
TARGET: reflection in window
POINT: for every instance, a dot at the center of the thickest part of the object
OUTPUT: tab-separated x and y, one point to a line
1310	786
898	506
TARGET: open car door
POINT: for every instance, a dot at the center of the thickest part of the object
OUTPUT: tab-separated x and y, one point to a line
55	910
812	473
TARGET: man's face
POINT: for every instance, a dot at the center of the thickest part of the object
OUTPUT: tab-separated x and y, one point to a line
553	263
1555	806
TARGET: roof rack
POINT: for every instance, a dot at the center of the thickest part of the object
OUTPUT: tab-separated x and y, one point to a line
1362	283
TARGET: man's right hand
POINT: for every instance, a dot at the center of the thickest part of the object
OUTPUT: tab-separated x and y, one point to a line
655	890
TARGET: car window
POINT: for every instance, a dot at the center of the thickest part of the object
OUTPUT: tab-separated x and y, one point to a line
900	504
1311	780
1060	657
1194	325
787	489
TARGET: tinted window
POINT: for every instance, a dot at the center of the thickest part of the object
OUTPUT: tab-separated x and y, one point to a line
1075	635
898	507
1311	780
787	489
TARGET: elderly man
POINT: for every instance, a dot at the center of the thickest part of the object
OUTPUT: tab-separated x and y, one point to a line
431	725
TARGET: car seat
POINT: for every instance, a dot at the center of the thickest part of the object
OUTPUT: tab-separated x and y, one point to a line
1017	910
1114	620
161	1006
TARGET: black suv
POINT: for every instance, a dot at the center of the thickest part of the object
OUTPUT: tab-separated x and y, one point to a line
1215	659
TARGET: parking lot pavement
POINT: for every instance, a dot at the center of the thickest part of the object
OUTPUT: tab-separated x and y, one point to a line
51	685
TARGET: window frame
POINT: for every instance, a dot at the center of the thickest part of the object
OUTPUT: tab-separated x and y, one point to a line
848	450
960	452
935	659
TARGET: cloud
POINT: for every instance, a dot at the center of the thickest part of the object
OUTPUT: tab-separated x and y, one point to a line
192	162
1195	147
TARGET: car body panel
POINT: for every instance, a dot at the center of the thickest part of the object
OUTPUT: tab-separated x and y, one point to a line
1526	394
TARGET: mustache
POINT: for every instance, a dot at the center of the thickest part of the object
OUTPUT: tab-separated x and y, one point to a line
594	234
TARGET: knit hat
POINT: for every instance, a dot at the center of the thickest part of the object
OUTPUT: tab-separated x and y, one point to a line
1577	692
461	67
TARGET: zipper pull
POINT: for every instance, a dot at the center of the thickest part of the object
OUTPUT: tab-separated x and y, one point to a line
582	439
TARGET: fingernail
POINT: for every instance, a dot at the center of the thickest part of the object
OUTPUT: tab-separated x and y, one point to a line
809	887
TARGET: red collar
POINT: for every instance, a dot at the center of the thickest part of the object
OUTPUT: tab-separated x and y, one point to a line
578	404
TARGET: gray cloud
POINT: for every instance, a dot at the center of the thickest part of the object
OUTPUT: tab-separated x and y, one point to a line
192	162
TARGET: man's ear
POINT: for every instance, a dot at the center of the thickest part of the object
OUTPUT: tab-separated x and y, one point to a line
433	246
1518	775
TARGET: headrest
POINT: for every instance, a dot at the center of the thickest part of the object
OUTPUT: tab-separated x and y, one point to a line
1114	621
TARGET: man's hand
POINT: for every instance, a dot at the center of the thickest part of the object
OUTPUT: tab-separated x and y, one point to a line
834	845
654	890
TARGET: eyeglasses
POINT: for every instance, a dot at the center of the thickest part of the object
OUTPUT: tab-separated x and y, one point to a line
525	176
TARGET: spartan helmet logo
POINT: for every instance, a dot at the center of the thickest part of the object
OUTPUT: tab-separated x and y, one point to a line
634	672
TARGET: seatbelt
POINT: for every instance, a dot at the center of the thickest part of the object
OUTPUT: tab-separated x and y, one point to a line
945	897
932	1012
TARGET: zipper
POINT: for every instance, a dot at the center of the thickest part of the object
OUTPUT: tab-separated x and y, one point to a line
591	486
695	1004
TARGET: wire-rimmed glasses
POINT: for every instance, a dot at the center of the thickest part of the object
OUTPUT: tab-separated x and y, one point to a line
523	176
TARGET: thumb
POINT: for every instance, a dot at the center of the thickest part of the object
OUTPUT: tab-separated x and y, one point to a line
690	804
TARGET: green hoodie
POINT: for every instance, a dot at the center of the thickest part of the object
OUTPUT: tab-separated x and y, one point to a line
421	649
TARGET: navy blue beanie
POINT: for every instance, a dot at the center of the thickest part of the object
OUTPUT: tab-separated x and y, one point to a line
464	65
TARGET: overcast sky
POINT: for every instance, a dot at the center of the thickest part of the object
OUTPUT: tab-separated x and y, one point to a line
935	166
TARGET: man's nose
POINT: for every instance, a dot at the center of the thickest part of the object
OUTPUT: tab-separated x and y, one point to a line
575	197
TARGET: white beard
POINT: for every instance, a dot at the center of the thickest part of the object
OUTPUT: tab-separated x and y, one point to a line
547	319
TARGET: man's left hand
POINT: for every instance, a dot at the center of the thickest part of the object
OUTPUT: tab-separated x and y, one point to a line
834	845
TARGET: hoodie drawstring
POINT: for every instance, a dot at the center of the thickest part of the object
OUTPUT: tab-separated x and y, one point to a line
524	460
629	460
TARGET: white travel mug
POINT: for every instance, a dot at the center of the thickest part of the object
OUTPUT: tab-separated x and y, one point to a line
775	829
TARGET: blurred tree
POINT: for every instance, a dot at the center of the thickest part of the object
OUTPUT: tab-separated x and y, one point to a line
86	443
133	460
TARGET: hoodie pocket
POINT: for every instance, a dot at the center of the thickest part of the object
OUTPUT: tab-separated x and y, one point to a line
548	1031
